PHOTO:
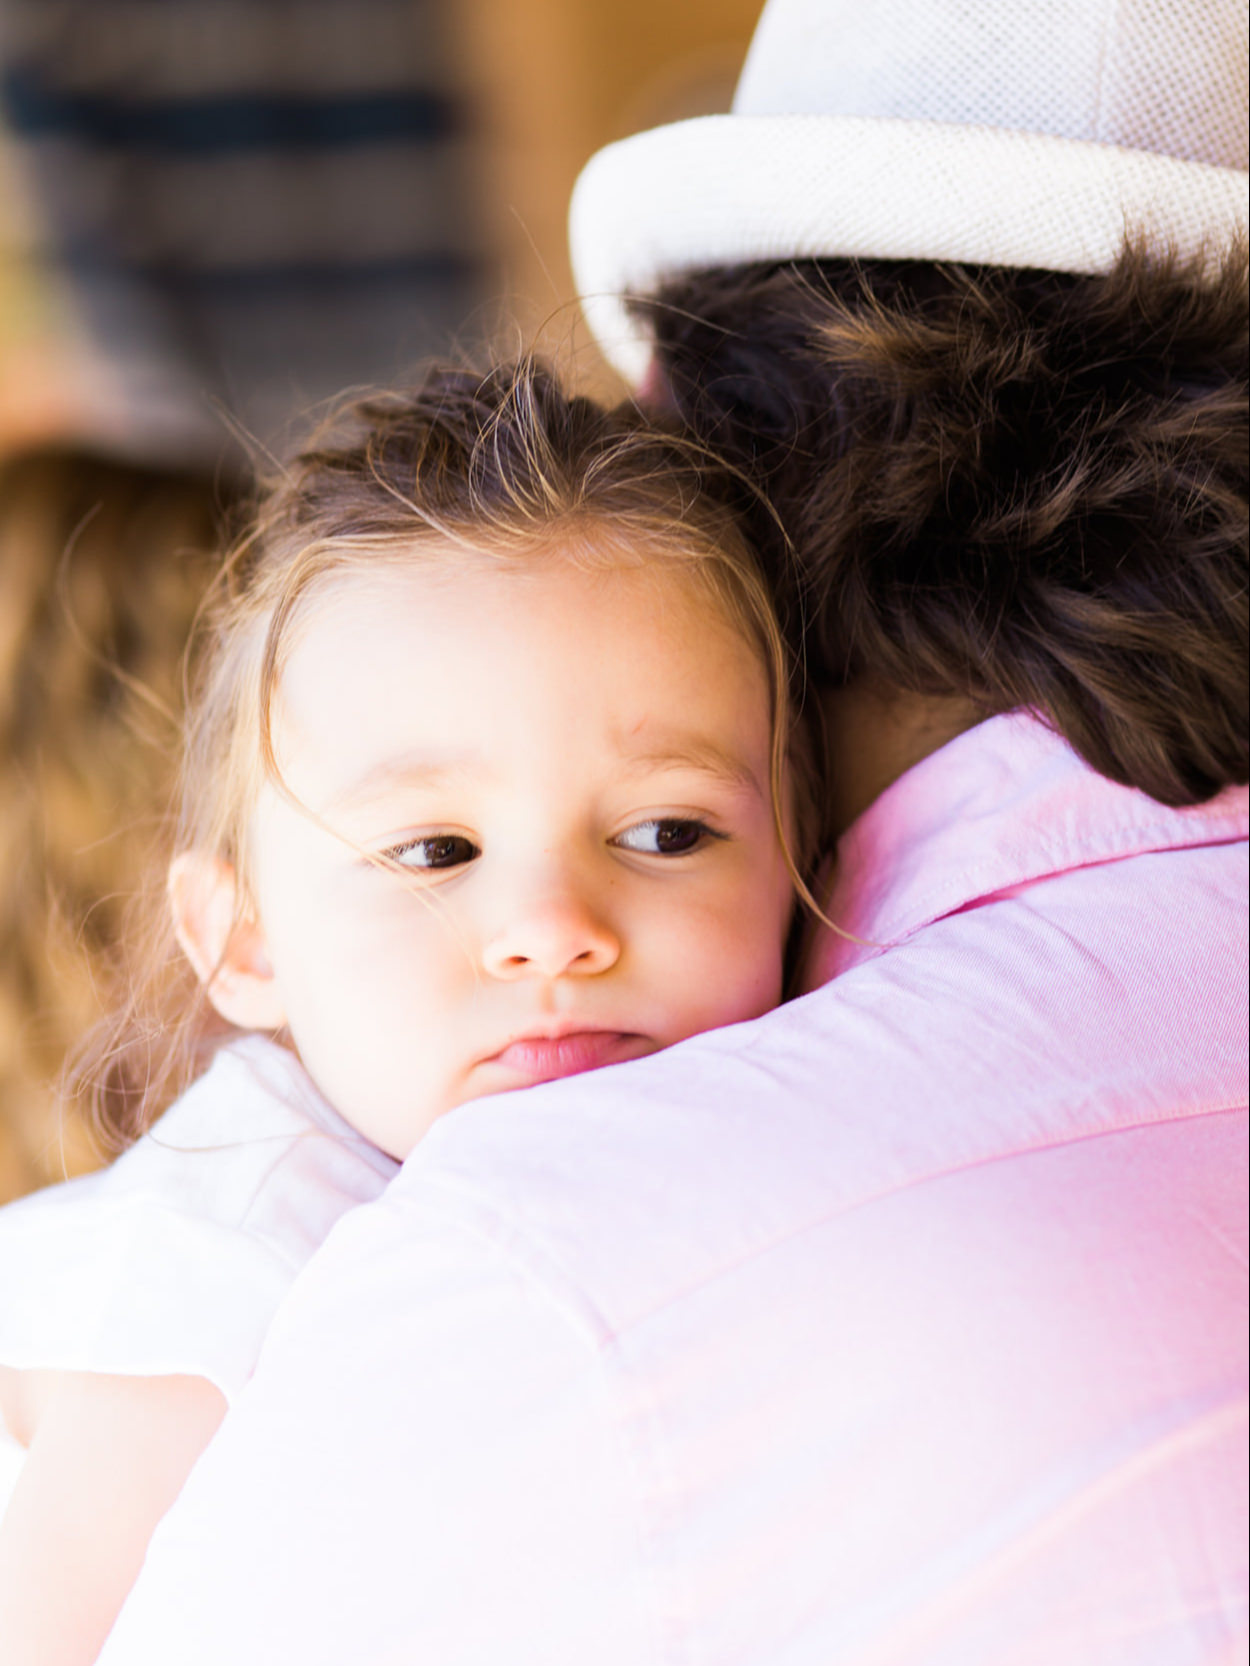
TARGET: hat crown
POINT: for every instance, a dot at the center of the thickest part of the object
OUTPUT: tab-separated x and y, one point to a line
1164	76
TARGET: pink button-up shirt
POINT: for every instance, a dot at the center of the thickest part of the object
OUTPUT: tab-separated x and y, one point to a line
905	1325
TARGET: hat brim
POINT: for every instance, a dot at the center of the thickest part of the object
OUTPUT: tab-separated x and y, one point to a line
731	189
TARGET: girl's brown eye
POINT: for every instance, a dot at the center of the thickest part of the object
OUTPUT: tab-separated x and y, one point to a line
437	850
666	836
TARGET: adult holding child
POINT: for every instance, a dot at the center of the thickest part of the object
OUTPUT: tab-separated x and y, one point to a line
906	1323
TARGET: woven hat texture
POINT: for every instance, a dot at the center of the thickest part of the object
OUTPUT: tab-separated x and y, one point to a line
1004	132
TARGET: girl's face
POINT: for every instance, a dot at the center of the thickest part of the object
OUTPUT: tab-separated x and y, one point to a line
571	770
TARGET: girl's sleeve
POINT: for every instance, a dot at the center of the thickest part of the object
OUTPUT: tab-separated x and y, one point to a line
174	1259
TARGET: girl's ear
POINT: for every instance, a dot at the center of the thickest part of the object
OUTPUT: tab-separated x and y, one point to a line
227	949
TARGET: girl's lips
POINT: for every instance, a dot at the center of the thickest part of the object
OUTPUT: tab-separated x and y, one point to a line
544	1058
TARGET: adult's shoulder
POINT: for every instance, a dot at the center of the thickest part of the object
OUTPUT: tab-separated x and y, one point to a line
923	1284
1036	957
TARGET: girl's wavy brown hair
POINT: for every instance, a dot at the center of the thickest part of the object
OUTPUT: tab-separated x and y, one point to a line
1016	487
466	467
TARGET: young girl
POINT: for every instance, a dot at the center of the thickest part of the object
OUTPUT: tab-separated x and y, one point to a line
487	781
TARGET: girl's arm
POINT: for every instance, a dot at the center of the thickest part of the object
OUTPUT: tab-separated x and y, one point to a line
108	1458
23	1396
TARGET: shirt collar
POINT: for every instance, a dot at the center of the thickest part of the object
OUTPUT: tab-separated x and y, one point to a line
1003	804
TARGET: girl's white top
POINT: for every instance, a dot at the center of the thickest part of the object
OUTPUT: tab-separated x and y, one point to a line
173	1260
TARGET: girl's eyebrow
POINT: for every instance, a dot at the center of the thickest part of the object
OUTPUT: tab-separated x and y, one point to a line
691	753
421	769
417	769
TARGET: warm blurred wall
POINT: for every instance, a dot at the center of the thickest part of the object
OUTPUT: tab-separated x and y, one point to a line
102	566
558	79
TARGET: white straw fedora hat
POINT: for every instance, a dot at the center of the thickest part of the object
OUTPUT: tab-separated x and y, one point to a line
1003	132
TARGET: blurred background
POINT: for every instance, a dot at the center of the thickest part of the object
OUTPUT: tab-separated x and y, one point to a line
213	214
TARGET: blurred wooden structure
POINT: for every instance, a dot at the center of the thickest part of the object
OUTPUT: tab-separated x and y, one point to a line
557	79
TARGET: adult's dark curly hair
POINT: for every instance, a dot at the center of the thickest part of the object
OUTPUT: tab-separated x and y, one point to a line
1021	487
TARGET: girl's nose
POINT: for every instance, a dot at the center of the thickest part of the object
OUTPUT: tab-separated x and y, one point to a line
560	937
